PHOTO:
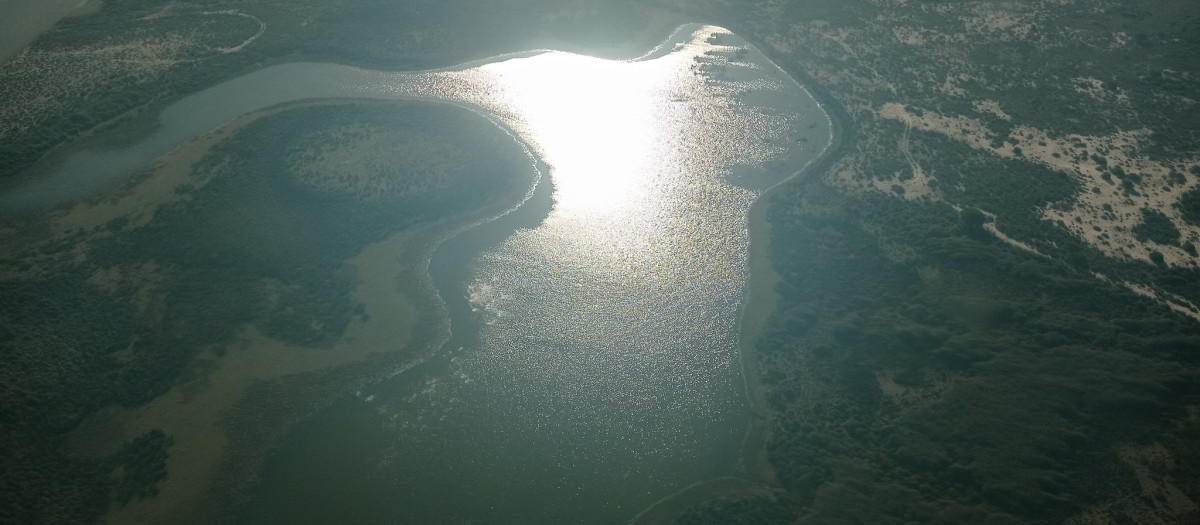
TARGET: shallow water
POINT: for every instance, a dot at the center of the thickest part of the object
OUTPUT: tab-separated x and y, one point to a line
593	367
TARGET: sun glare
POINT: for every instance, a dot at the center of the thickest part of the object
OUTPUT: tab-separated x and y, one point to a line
592	120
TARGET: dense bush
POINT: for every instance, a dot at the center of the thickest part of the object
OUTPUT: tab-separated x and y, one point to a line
966	380
1156	227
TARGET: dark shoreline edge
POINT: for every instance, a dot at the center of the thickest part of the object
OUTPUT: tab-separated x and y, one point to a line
758	301
842	132
141	122
442	335
429	346
540	194
442	347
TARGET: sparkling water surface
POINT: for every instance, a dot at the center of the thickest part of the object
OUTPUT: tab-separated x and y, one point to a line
602	372
594	367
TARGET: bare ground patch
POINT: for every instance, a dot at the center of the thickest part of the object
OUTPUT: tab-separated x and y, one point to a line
1105	213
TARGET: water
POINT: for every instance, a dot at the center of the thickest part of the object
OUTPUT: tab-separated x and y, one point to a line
599	369
593	367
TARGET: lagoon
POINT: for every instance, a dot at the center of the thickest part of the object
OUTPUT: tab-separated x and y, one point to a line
592	367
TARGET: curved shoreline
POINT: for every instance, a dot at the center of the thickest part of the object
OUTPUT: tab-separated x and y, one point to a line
757	305
198	410
542	188
752	311
438	339
85	170
431	345
759	300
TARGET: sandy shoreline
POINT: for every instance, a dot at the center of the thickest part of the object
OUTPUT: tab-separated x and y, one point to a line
761	298
760	302
758	305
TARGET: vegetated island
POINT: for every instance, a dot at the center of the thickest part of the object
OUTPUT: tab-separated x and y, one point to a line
290	243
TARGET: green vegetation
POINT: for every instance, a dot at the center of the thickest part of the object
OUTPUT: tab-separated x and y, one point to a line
919	373
258	240
919	370
134	56
142	463
87	75
1189	206
1156	227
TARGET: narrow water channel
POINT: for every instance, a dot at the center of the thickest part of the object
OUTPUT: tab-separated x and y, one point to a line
593	367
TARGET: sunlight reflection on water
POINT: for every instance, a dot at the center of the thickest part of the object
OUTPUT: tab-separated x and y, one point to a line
607	372
607	368
604	370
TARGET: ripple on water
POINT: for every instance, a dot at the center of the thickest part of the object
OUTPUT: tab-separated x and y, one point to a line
604	372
